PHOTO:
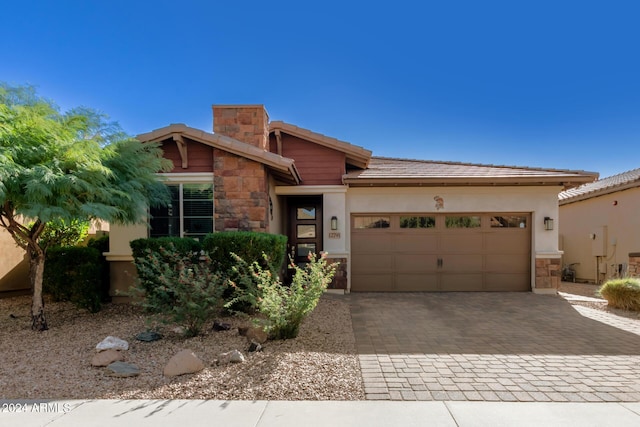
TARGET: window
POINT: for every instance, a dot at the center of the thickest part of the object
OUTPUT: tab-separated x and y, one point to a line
462	221
509	221
190	213
417	222
371	222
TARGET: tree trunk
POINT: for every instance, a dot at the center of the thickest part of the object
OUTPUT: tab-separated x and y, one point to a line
36	270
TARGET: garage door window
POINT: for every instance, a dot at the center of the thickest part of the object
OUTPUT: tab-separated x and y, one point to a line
462	221
417	222
371	222
509	221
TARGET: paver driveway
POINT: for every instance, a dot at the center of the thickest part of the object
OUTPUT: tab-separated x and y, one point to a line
493	347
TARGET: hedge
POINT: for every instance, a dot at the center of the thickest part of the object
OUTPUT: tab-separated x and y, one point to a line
249	246
75	273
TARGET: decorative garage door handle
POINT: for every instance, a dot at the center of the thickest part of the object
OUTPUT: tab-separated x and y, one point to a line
439	262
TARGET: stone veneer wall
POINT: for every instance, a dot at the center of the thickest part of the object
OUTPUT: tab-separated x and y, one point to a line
240	193
340	279
239	184
634	264
547	273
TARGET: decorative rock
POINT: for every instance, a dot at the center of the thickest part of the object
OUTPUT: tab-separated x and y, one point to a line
219	326
254	346
184	362
122	369
148	336
256	334
233	356
107	357
112	343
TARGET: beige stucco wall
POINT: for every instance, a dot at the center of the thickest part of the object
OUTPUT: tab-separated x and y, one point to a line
14	266
616	228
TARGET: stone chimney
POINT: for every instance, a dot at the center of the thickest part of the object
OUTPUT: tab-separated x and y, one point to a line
246	123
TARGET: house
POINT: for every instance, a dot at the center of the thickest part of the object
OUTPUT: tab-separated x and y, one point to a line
392	224
600	227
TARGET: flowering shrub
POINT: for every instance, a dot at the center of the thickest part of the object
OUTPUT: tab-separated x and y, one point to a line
283	307
178	288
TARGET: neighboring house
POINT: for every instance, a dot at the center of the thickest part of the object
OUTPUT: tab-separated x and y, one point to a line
14	264
393	224
600	226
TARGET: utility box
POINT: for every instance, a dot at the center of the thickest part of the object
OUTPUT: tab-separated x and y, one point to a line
599	241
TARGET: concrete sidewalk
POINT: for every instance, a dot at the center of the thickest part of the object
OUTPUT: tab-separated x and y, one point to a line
162	413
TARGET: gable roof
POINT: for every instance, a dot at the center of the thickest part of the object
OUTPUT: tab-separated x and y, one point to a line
397	172
283	167
611	184
355	155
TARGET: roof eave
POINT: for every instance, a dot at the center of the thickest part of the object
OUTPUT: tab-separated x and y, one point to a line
355	155
601	192
274	161
563	182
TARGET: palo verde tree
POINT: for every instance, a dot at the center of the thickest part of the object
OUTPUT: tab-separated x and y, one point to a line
69	166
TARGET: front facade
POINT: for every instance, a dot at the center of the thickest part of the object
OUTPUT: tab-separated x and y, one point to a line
600	227
392	224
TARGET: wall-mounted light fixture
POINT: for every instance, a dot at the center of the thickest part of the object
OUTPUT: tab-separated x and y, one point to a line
334	222
548	223
592	236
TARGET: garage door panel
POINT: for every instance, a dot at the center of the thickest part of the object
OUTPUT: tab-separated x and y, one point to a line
372	263
462	262
461	282
507	282
506	242
371	242
462	241
507	263
372	283
417	282
416	263
418	242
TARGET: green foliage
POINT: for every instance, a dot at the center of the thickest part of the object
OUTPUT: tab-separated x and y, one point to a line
177	288
61	232
622	293
101	244
183	245
284	307
269	250
74	274
68	166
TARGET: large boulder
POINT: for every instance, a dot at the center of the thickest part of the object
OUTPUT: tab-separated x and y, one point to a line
107	357
122	369
112	343
184	362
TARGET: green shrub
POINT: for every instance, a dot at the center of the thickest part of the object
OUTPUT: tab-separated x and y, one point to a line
269	250
284	307
102	245
622	293
177	288
183	245
74	273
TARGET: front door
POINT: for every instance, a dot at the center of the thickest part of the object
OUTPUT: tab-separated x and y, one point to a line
305	227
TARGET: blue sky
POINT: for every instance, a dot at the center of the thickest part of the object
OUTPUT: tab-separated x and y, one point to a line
552	84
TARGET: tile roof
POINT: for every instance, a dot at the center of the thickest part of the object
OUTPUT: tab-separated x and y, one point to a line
395	171
621	181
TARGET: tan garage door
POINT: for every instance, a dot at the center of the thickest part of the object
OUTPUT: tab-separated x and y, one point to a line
441	252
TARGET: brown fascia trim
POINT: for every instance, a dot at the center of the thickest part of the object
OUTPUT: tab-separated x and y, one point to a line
462	182
356	155
225	143
598	193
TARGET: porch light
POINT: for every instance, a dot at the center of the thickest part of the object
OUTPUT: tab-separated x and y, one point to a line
548	223
334	223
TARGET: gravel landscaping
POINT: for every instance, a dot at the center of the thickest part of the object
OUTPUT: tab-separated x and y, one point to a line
320	364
